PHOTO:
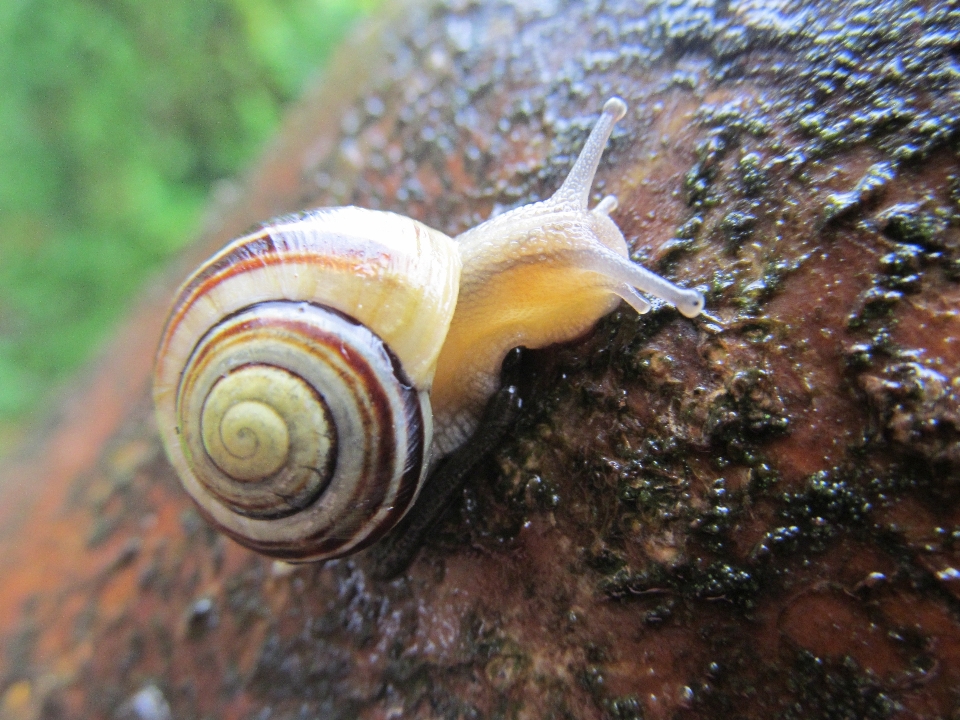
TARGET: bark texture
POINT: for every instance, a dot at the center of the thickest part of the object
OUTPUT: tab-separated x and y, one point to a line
748	515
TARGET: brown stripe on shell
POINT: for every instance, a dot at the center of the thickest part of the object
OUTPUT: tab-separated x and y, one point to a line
311	548
410	481
406	490
371	494
264	250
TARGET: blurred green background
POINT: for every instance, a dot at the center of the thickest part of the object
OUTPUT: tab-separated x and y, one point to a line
116	116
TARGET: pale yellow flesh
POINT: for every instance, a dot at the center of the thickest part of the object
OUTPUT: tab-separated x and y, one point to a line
532	305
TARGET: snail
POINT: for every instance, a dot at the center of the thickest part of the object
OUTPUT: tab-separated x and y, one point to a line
311	372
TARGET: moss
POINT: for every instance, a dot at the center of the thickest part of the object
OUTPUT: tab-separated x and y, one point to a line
286	669
901	268
493	518
763	478
728	124
682	243
201	617
748	411
630	348
507	666
737	227
842	205
696	185
753	176
831	503
626	707
916	410
652	492
592	680
713	524
736	584
719	580
859	356
952	269
835	690
921	241
605	560
876	303
243	597
690	229
103	528
541	494
673	250
910	224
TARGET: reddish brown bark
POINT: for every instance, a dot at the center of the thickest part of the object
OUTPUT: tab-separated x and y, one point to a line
751	515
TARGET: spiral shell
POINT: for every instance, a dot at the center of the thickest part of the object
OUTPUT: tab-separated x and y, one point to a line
298	428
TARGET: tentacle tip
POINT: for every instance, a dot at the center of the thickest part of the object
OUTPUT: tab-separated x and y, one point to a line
691	303
607	205
615	107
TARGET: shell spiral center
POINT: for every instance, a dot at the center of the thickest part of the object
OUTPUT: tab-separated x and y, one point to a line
249	422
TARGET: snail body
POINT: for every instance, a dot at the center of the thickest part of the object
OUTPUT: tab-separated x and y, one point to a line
311	371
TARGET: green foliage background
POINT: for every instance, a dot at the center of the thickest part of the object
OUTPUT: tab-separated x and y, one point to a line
115	118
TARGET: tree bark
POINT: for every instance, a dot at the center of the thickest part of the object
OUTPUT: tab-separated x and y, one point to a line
751	514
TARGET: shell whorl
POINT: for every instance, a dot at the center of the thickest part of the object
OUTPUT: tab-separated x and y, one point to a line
296	427
303	436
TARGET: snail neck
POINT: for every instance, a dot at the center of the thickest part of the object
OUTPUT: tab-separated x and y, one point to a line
522	283
525	281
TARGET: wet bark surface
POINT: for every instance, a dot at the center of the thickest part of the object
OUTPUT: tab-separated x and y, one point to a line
753	514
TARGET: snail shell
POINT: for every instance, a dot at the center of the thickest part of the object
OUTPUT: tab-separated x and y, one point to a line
290	381
304	367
